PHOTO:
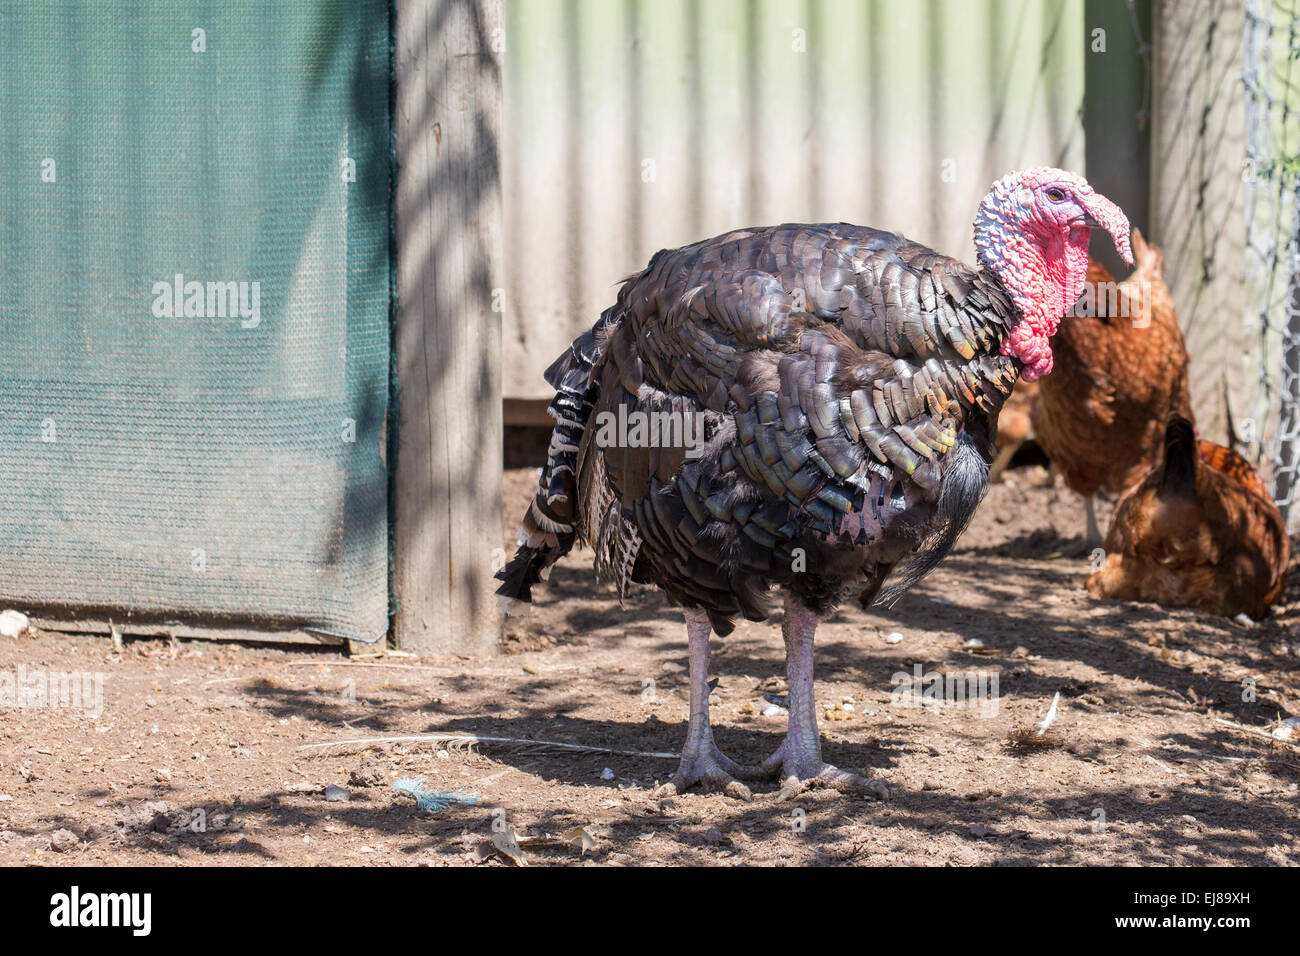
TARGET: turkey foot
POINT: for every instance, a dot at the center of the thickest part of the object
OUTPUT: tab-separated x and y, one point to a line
702	762
798	761
709	767
800	767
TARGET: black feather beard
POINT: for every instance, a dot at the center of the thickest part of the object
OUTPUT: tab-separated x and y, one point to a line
965	481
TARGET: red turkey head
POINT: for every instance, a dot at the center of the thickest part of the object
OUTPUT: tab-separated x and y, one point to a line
1032	232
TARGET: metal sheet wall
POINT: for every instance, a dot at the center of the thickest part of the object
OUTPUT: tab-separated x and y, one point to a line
631	126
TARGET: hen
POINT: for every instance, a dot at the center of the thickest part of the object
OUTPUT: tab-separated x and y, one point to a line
844	381
1120	372
1199	531
1015	426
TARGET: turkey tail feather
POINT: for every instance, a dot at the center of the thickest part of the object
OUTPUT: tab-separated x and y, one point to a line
548	530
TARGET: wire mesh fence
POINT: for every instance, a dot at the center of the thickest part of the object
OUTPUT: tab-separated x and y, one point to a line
1271	74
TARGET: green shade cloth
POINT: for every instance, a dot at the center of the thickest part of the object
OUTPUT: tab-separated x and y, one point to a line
161	458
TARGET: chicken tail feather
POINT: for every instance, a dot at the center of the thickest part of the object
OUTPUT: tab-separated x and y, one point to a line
1179	478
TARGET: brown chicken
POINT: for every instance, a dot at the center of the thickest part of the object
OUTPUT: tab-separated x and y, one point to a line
1015	426
1200	530
1120	373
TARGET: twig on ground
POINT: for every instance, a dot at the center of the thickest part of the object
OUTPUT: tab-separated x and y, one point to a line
476	740
441	671
1257	732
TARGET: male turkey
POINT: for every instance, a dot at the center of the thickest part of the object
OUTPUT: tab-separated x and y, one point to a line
848	381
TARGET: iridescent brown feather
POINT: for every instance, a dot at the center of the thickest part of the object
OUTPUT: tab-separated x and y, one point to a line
835	369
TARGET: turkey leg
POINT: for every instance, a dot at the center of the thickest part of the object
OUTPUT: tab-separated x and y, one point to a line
702	762
798	761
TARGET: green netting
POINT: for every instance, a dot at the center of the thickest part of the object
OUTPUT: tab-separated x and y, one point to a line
200	465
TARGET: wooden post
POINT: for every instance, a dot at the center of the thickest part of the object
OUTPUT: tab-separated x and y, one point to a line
448	224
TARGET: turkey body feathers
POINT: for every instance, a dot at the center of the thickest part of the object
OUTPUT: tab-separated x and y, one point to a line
843	379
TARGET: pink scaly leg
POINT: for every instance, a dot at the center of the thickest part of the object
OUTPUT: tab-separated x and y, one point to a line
702	762
798	761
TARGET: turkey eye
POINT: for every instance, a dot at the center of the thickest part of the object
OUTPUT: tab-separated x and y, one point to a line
1055	195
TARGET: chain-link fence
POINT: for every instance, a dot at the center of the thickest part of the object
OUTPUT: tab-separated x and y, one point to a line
1272	176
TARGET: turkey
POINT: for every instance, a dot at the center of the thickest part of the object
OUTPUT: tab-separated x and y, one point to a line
830	394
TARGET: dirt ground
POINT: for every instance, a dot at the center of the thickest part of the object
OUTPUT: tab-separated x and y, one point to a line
198	755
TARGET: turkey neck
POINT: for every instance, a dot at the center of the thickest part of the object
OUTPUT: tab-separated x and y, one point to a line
1043	275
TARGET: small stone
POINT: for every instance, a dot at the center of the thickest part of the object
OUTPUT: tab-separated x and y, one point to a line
14	624
894	638
979	830
772	710
335	794
931	785
839	712
97	832
974	642
64	840
607	774
1287	728
303	786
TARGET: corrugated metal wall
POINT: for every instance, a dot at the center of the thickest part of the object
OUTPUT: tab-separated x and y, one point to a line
636	125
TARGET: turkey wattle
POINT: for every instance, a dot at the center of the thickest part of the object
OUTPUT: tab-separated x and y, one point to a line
847	381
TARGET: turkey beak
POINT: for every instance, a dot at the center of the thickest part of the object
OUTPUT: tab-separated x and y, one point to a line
1100	213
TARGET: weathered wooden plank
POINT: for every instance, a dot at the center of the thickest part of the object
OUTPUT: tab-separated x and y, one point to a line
528	411
245	633
448	212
